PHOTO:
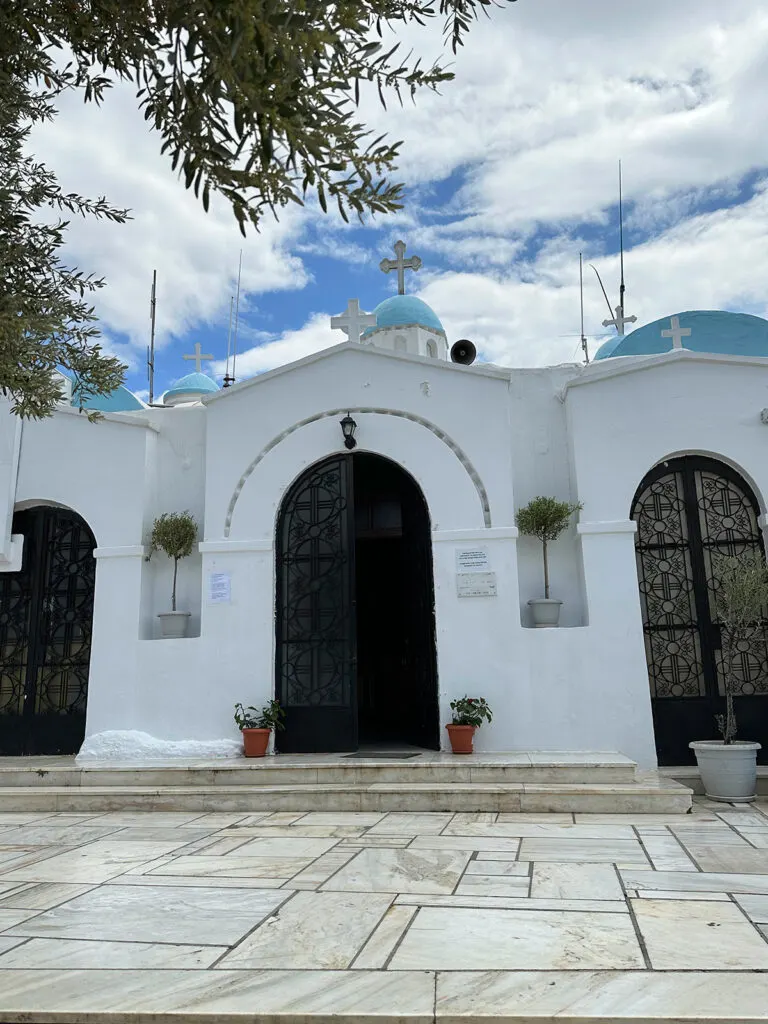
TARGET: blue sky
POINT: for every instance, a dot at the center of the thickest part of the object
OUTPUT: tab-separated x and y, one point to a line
511	171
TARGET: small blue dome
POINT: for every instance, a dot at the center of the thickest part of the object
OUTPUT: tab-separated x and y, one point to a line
119	400
607	348
400	310
192	384
733	334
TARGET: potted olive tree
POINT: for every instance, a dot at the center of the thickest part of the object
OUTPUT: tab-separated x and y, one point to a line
545	518
175	534
468	715
728	767
256	725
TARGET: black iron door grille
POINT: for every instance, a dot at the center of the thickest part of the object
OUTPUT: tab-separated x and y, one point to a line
691	513
46	613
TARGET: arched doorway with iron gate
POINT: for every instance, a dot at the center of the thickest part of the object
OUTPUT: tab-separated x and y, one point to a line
355	633
46	613
689	512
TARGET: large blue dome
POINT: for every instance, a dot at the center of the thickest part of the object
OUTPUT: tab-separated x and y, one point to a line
733	334
119	400
402	310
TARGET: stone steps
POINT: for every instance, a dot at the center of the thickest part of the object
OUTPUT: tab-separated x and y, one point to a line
652	795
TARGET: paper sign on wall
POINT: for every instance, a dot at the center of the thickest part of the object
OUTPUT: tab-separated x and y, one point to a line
472	560
219	588
476	584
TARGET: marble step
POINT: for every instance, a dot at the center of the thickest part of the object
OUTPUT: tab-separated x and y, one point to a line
650	794
541	769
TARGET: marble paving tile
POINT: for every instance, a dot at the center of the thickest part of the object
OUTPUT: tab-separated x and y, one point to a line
281	847
411	870
643	820
6	888
11	918
497	855
382	842
231	866
379	948
323	997
299	831
493	885
157	914
551	818
709	837
584	850
498	867
575	881
154	818
676	894
181	836
271	818
219	819
442	939
321	870
541	830
197	882
42	895
55	835
215	847
699	936
695	881
469	843
757	839
313	930
10	942
666	853
12	818
84	954
473	818
720	857
744	819
512	903
357	819
756	907
97	862
424	823
642	996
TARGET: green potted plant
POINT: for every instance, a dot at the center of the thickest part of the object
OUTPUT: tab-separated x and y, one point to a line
545	518
728	766
175	534
468	715
256	725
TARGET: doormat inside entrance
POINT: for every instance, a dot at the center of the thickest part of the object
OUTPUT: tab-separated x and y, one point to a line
389	755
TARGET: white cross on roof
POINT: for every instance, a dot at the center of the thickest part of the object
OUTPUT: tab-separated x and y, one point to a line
354	321
198	357
676	332
400	264
619	320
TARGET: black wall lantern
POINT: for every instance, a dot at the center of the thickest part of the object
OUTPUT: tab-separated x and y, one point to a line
348	428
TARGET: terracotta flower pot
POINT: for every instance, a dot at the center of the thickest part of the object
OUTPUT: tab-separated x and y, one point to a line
461	737
255	742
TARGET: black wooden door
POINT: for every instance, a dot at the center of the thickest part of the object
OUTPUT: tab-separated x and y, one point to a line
46	613
690	512
315	653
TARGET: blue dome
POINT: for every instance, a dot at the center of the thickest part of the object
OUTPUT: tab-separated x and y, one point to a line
607	348
192	384
733	334
119	400
400	310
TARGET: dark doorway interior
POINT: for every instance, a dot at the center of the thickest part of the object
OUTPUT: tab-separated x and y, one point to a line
355	609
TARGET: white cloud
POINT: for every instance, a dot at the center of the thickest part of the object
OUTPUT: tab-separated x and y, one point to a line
315	335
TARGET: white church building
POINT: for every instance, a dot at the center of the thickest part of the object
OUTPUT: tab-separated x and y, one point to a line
368	573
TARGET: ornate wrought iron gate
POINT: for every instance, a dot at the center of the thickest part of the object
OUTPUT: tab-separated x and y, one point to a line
46	612
315	655
690	511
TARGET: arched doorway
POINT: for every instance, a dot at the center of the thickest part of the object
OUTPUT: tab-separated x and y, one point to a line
688	511
46	613
355	657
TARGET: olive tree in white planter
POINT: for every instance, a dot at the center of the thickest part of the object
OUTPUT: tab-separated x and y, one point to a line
728	767
545	518
175	534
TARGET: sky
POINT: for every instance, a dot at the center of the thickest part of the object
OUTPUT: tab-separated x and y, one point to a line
511	171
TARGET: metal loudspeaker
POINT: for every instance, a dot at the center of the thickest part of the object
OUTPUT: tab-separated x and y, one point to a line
464	352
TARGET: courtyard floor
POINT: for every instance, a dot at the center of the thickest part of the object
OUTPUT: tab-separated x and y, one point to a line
423	916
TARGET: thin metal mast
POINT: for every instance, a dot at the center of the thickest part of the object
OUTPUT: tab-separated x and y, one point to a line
237	316
622	289
151	349
584	347
227	379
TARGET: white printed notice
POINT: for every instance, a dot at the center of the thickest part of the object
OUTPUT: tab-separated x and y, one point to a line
472	560
219	588
476	584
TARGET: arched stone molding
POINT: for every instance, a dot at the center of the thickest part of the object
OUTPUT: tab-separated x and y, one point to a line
463	459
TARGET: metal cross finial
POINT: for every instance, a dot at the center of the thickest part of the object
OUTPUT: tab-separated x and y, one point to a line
354	321
198	357
619	320
400	264
676	333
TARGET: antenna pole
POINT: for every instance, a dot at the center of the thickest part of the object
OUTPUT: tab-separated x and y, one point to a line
621	242
581	298
237	315
227	379
151	349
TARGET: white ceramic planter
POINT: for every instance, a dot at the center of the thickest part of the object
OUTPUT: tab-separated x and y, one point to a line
545	611
173	625
728	772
